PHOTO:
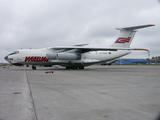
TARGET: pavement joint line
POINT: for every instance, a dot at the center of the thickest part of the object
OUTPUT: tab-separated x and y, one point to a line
35	114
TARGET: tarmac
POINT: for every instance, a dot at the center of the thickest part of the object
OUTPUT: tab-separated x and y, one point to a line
128	92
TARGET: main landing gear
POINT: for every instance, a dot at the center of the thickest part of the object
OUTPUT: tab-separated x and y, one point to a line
33	67
75	67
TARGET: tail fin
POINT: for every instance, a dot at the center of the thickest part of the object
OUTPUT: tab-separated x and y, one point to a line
126	36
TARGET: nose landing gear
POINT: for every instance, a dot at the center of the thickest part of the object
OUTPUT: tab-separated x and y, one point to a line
33	67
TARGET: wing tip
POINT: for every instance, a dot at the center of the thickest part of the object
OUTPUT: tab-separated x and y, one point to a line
151	24
141	49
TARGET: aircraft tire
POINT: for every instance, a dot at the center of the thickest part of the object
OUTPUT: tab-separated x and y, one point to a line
68	68
33	67
81	67
74	67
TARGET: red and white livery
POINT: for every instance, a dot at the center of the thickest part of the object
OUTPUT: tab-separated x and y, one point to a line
78	56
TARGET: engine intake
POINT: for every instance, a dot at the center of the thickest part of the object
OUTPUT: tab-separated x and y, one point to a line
51	56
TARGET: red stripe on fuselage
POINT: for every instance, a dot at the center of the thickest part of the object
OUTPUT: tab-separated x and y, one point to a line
35	59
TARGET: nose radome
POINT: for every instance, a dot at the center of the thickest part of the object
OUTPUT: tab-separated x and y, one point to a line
6	57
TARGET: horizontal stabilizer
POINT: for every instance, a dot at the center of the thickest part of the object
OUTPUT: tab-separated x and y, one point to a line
135	27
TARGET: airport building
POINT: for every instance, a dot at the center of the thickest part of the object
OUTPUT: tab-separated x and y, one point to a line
135	61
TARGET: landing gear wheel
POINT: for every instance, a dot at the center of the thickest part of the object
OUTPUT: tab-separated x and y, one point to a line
74	67
33	67
81	67
68	68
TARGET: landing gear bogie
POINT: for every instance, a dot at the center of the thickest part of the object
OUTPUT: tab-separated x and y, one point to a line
68	68
81	67
74	67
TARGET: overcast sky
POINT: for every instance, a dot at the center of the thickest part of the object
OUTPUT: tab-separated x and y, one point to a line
45	23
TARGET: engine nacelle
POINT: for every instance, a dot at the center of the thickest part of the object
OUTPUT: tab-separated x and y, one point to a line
51	56
67	56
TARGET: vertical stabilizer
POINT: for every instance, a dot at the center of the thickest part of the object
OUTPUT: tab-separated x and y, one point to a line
126	36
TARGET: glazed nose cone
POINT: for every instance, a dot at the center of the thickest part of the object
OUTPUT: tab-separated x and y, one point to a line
6	58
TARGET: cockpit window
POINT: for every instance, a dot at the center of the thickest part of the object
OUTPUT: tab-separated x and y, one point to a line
14	52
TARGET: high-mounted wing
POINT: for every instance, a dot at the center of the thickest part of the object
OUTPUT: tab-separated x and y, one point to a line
87	49
83	49
74	53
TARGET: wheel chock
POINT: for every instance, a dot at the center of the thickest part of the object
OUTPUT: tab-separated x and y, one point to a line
49	71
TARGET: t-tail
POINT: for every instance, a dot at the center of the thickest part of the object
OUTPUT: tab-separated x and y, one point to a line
126	36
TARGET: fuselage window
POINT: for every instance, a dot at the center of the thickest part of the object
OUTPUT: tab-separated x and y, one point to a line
10	58
14	52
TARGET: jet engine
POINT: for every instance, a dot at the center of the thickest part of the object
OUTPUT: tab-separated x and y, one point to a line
51	56
62	56
67	56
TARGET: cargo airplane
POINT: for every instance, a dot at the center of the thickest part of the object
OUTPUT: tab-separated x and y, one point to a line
77	56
